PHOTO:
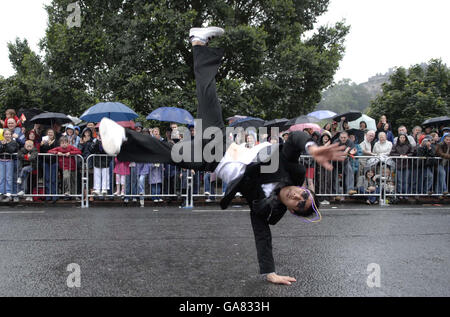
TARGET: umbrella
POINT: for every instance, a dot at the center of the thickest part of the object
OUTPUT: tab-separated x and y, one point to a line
302	126
29	114
322	114
276	123
371	123
248	122
115	111
234	118
301	119
437	121
349	116
359	134
49	118
171	114
126	124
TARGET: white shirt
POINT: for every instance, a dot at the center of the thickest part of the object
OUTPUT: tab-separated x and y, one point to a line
236	159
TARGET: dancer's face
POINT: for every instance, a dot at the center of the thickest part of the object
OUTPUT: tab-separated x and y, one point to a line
292	196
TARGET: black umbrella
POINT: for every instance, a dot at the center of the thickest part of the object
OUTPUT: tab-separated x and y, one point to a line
300	120
248	122
29	114
438	121
359	134
276	123
349	116
49	118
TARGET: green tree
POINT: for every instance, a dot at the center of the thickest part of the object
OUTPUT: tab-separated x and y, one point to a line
414	95
34	86
137	52
345	96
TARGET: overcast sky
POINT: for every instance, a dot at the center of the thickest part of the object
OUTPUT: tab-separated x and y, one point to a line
384	33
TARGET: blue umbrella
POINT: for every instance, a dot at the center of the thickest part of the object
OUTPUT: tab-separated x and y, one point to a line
171	114
115	111
322	114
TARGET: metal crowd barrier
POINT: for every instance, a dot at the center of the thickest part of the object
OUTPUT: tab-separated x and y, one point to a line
156	182
393	178
49	178
54	177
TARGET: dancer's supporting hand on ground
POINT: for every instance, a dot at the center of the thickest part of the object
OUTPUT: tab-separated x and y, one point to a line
278	279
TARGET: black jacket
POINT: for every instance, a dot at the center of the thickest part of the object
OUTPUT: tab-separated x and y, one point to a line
267	211
6	150
32	158
100	161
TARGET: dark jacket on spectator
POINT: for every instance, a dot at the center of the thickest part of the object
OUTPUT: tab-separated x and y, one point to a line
443	151
6	150
400	149
429	154
27	158
100	161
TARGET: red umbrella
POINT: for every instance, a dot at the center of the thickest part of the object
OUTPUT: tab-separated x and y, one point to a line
125	124
302	126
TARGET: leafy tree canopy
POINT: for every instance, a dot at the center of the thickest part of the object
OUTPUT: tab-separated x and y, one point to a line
414	95
137	52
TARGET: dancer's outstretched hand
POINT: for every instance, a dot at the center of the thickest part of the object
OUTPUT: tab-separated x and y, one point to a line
278	279
324	154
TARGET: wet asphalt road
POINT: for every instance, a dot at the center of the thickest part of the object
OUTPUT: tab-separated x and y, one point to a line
209	252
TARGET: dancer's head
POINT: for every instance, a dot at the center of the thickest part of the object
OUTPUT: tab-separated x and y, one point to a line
299	200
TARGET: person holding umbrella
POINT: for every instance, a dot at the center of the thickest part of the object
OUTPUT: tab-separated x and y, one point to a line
270	194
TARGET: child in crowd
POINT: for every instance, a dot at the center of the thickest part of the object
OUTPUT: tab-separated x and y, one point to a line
11	113
7	148
71	136
101	167
27	163
142	170
67	164
155	181
367	185
121	169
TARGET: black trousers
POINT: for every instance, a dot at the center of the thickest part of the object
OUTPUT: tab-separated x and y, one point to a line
146	149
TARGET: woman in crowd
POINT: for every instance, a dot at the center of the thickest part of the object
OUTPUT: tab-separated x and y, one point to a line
8	147
383	146
50	164
403	149
324	185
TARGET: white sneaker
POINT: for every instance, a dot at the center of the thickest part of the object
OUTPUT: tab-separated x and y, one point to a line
205	34
104	192
134	200
208	200
325	202
21	193
112	136
141	202
19	181
6	200
96	192
16	199
207	193
29	199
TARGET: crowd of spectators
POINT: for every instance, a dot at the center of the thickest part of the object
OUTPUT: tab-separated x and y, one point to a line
44	163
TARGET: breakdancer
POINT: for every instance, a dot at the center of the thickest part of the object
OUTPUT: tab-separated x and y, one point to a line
269	194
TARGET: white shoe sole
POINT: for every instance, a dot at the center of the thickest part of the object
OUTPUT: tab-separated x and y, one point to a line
206	34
